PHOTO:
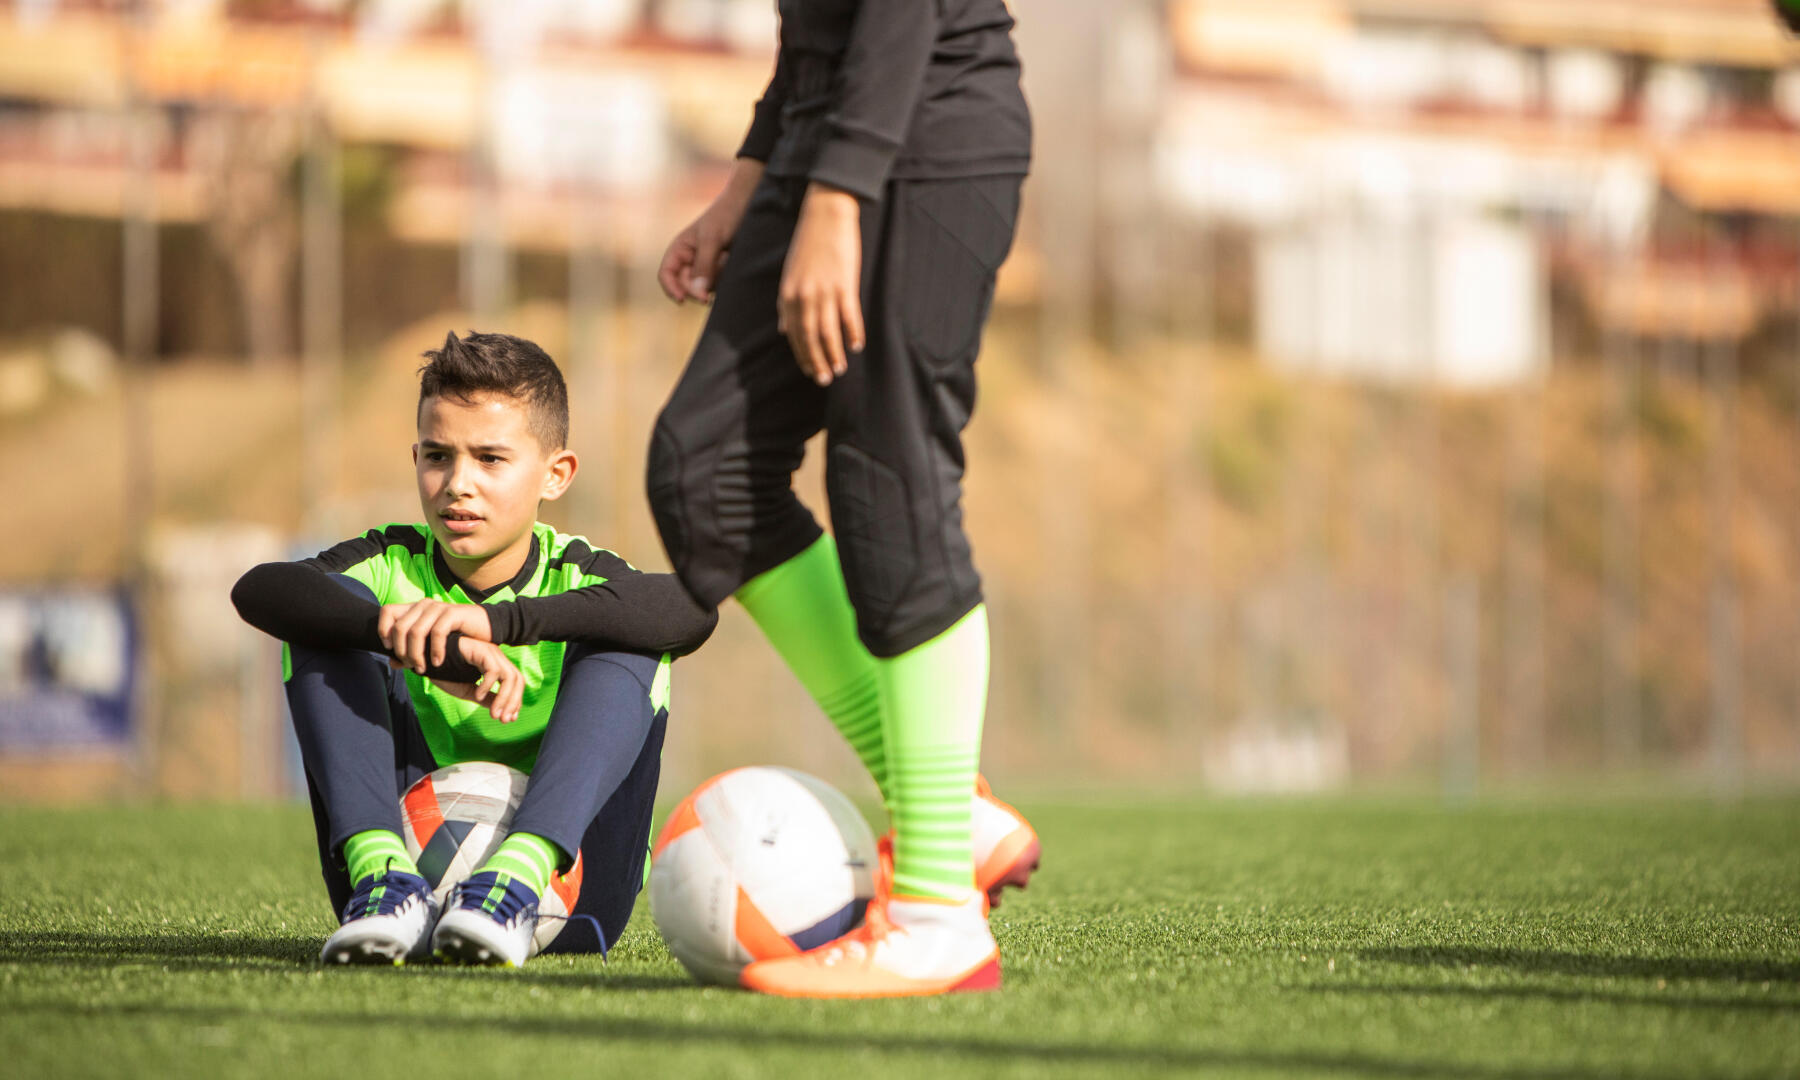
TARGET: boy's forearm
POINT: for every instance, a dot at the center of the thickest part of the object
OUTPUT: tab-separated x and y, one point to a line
300	605
649	613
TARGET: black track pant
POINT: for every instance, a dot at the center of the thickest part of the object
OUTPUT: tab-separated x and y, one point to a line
592	788
733	432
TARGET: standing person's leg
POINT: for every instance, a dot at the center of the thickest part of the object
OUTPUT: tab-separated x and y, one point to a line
591	791
721	488
725	447
720	482
894	476
894	471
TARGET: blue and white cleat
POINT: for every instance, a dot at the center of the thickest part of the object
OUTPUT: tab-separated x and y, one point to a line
490	919
387	921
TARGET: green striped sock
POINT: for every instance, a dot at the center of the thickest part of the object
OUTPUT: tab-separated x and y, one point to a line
804	610
374	851
934	698
528	857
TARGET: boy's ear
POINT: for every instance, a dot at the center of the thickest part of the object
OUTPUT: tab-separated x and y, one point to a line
563	466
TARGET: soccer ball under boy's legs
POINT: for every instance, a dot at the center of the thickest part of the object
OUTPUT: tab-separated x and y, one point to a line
455	819
758	863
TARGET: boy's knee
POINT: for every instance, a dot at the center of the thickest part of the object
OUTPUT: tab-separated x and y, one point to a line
611	666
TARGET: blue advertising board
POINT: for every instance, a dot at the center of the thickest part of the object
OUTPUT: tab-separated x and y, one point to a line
68	663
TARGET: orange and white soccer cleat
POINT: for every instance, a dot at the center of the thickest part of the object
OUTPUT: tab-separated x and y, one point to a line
1007	850
1006	847
905	947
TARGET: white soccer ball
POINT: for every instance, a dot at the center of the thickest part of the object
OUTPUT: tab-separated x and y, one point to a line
759	863
455	819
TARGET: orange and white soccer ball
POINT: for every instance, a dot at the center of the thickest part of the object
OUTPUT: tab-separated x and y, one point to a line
758	863
455	819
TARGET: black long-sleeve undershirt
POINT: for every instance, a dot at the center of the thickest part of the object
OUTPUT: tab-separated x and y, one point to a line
649	613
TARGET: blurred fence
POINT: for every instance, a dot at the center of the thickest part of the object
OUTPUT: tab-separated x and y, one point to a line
1353	412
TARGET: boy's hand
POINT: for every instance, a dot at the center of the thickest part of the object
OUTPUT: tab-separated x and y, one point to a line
821	285
416	633
502	686
691	266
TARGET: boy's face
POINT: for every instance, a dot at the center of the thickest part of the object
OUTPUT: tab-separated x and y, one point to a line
481	475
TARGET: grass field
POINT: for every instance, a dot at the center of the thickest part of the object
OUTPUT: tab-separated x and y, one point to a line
1315	938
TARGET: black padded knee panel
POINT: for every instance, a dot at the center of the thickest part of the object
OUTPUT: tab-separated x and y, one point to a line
877	537
667	506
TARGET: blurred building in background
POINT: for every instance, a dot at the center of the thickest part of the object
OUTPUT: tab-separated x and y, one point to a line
1381	391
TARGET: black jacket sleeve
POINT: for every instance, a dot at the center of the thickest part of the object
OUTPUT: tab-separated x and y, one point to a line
649	613
298	603
765	124
882	76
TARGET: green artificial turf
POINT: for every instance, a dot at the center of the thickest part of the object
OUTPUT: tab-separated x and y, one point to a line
1313	938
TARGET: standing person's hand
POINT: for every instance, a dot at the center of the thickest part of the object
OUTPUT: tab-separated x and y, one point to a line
690	268
821	285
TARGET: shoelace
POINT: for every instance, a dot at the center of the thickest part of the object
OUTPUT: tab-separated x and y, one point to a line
860	942
395	892
599	934
857	944
512	904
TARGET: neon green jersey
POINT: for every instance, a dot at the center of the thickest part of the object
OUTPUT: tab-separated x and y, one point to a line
401	563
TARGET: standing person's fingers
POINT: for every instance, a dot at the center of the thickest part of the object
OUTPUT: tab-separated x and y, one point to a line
706	267
793	326
830	348
672	274
855	334
816	363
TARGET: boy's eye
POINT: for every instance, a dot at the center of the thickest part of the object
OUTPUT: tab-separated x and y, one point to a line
491	459
435	455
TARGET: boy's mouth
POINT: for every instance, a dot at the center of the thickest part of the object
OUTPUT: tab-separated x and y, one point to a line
460	521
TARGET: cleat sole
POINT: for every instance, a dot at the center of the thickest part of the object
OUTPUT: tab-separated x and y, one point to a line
366	953
455	949
1016	873
985	977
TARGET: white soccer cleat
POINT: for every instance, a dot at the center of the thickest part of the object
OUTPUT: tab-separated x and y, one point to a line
490	919
1007	849
904	948
387	921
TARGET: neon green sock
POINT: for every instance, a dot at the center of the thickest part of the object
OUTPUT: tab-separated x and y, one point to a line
804	610
375	851
934	698
528	857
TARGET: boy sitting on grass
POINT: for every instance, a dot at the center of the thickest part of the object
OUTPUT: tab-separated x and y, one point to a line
478	635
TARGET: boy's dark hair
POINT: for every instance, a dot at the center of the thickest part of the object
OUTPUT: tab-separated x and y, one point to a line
501	364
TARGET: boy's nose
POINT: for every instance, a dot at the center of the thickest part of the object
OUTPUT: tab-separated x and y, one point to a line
461	481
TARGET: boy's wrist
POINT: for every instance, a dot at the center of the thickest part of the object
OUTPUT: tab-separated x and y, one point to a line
503	621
